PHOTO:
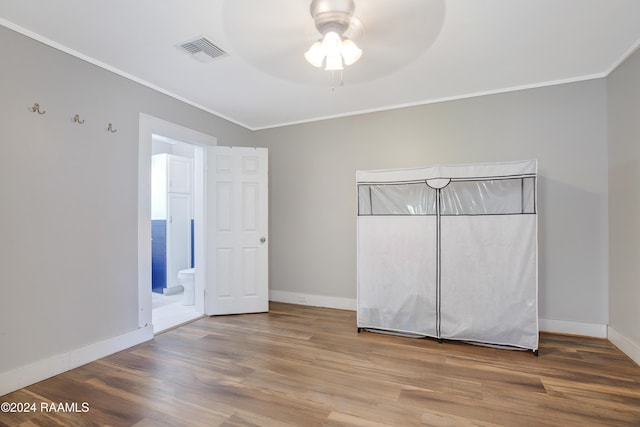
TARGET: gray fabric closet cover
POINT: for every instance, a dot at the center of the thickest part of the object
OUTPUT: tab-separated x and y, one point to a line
450	251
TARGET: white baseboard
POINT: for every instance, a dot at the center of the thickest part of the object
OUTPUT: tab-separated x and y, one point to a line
312	300
595	330
41	370
546	325
26	375
625	344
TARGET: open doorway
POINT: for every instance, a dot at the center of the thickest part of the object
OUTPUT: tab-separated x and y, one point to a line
173	197
170	305
230	250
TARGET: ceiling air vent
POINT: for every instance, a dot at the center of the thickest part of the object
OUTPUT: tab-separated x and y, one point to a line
202	49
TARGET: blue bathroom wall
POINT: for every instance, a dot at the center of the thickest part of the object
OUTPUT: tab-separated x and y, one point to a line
158	255
192	249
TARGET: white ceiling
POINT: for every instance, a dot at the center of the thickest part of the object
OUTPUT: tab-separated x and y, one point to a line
415	51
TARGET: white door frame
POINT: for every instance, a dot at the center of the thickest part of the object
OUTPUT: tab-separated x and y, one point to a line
148	126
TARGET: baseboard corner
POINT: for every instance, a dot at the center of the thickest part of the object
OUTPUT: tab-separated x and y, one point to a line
595	330
624	344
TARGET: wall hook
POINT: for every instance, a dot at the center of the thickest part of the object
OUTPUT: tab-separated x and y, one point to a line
36	109
111	129
76	119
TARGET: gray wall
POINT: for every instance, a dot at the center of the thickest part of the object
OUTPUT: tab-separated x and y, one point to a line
68	258
623	87
313	201
68	251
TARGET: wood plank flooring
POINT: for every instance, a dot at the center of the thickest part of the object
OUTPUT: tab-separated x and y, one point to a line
306	366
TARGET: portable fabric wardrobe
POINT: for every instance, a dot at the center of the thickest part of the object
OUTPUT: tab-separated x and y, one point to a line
450	252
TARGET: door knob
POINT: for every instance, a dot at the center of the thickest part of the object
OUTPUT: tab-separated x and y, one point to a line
263	239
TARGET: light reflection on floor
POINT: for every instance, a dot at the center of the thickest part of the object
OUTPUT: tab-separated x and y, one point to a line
168	311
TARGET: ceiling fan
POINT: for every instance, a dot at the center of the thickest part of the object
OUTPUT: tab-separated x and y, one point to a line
386	35
332	18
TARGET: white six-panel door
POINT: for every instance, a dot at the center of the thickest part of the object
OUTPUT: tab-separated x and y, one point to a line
236	230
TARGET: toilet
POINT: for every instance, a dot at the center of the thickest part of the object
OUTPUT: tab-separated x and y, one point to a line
186	278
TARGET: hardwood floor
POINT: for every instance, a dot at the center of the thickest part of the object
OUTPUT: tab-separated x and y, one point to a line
306	366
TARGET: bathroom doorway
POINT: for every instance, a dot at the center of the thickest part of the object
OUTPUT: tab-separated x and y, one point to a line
166	309
175	172
223	249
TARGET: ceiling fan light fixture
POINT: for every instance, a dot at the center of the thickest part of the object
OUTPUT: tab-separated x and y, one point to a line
350	52
315	54
334	63
332	44
332	19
